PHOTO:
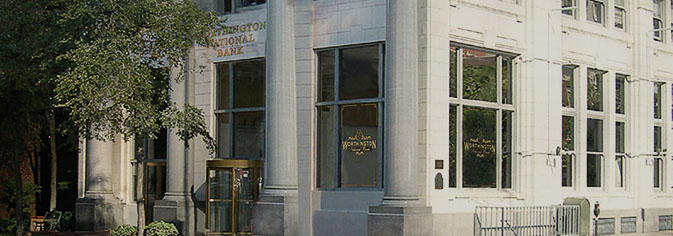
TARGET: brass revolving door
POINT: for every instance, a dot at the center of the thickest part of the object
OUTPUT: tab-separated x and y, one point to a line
233	186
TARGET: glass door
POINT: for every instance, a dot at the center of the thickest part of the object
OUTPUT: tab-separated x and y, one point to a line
233	187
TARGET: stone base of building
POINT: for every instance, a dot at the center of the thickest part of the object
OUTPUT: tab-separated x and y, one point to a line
397	220
177	209
275	215
98	212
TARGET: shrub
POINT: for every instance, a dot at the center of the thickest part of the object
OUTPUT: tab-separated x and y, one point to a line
124	230
160	228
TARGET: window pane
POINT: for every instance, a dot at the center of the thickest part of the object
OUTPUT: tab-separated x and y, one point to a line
453	111
568	86
359	72
507	80
568	3
479	75
595	90
220	217
619	161
247	3
620	16
326	147
222	7
657	138
479	153
249	135
594	135
657	100
223	86
657	165
506	174
620	129
594	168
658	8
568	123
249	84
326	75
453	80
620	96
223	136
567	171
595	11
657	25
359	151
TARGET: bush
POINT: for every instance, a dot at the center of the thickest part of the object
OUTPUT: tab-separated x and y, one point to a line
124	230
160	228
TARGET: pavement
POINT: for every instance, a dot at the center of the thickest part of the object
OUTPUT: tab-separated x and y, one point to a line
664	233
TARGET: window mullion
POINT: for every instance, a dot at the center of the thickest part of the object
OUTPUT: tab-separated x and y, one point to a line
231	106
337	121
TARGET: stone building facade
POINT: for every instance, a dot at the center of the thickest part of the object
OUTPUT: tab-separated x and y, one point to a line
399	117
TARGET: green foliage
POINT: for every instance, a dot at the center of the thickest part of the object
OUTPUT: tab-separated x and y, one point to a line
7	195
160	228
63	185
120	80
67	221
124	230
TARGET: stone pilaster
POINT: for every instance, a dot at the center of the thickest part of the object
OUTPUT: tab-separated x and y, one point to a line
401	213
276	211
99	209
177	207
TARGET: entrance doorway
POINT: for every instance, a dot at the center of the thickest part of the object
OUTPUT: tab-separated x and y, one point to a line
233	187
155	186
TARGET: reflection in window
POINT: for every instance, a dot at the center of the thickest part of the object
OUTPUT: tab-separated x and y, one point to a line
481	135
479	75
620	14
657	100
657	139
595	90
479	147
657	164
568	93
223	7
240	109
620	90
568	127
594	152
620	130
657	20
349	141
569	3
595	11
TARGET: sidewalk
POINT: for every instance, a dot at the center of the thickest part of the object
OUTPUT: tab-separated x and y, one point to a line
663	233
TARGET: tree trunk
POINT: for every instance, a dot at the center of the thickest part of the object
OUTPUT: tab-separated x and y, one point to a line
18	203
54	159
141	197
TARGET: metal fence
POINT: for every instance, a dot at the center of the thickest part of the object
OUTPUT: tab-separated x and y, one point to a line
527	221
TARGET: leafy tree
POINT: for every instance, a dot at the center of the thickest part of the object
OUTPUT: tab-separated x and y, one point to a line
107	63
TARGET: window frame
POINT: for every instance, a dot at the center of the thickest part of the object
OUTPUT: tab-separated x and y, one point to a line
597	115
572	12
624	10
658	17
621	118
336	103
459	102
602	18
232	110
571	111
658	122
234	7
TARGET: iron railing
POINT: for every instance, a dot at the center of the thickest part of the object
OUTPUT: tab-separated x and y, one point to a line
527	221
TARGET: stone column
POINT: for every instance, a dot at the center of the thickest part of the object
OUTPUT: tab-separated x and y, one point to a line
99	209
177	207
276	211
401	213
